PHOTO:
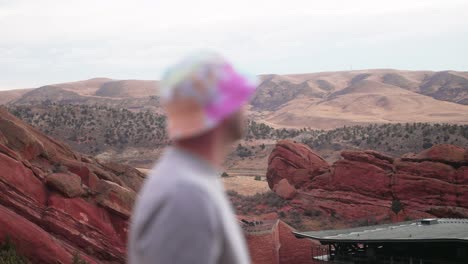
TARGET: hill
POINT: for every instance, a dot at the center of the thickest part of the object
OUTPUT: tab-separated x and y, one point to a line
333	99
11	95
324	100
105	87
135	95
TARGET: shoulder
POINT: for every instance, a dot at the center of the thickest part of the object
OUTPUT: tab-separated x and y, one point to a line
188	195
179	198
183	214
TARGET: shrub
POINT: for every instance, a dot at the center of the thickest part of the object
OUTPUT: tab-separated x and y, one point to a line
8	254
295	220
258	178
312	212
59	168
77	259
232	193
426	145
396	206
243	152
224	174
248	204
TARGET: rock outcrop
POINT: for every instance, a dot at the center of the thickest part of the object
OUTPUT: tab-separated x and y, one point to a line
55	202
296	161
371	185
273	242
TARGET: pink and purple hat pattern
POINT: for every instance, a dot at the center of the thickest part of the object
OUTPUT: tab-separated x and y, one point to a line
208	82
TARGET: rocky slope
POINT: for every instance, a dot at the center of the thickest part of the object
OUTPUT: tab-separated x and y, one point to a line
367	185
134	138
55	202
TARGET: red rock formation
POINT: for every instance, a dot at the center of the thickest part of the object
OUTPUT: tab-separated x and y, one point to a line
364	184
284	189
55	202
443	153
272	242
295	160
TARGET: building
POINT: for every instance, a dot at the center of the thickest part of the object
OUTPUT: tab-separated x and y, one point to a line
420	242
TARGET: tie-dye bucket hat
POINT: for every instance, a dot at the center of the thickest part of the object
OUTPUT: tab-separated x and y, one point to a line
201	91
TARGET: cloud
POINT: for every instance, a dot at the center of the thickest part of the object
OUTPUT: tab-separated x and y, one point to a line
52	41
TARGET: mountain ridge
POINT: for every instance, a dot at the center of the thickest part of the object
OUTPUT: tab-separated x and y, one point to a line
325	100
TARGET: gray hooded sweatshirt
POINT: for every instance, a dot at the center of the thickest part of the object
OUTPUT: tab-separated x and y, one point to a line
182	215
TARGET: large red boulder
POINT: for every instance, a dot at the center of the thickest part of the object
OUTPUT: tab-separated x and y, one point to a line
83	212
360	177
371	157
14	174
421	192
130	176
284	189
427	169
31	240
68	184
29	142
462	175
366	184
115	198
55	202
295	162
444	153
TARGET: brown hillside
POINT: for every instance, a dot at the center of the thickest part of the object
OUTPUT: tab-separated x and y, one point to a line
10	95
128	88
323	100
333	99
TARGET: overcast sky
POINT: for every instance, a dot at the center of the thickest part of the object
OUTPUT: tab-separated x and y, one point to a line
44	42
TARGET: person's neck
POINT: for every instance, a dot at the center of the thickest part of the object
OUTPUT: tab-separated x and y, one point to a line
212	153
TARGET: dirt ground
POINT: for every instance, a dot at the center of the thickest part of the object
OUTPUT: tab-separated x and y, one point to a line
245	185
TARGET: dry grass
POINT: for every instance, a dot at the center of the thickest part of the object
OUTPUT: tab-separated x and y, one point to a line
368	101
245	185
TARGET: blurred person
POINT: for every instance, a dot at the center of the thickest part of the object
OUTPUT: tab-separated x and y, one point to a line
182	214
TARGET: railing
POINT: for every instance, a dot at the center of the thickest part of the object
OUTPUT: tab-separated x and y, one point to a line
320	254
362	259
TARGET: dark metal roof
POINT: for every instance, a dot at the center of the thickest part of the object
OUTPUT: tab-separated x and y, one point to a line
427	230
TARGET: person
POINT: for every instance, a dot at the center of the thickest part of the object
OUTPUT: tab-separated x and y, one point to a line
182	214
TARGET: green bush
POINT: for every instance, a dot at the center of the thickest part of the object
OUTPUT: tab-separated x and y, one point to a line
77	259
396	206
243	151
258	178
8	254
312	213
